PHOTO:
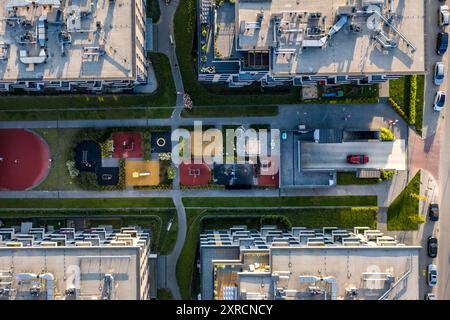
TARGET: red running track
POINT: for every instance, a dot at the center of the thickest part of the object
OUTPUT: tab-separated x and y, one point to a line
24	159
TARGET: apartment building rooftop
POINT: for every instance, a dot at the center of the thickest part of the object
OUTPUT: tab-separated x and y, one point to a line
67	40
96	264
334	36
310	264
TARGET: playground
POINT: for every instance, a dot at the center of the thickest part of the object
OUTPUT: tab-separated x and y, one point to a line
108	176
161	142
127	145
142	173
24	159
88	156
194	174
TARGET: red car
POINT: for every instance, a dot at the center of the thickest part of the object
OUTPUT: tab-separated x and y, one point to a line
357	159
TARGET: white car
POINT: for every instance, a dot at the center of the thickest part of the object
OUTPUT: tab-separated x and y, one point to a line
432	275
439	101
439	72
444	16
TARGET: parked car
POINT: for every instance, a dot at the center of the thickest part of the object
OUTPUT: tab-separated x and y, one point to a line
432	275
439	101
439	72
433	212
442	43
357	159
430	296
432	247
444	16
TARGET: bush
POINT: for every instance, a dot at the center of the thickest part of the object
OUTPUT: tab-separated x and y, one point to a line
386	134
171	173
399	109
387	174
107	147
412	100
87	181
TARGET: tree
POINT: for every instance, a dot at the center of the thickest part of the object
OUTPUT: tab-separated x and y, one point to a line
187	102
73	172
171	172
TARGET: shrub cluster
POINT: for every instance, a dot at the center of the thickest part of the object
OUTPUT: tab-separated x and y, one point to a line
387	174
386	134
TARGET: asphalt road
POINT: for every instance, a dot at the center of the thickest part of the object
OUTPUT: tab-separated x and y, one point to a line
434	121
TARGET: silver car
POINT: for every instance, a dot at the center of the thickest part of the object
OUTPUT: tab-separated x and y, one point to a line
439	101
432	275
444	16
439	72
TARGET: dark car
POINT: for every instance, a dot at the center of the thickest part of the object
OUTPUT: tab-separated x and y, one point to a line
433	212
432	247
442	43
357	159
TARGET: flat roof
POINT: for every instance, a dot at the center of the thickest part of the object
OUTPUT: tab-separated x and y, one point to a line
123	262
94	53
382	155
345	52
363	269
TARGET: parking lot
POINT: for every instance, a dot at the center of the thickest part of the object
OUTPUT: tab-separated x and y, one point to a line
382	155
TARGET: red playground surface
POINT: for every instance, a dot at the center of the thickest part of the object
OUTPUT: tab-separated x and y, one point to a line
127	145
24	159
194	174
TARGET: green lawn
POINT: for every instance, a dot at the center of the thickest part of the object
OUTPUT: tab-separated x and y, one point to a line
60	142
81	106
88	203
184	24
281	201
352	94
403	213
246	111
349	178
153	219
312	218
399	91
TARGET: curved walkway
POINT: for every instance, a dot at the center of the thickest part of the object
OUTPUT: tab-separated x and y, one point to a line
162	32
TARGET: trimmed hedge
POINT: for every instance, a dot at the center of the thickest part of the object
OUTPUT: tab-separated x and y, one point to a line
399	109
412	100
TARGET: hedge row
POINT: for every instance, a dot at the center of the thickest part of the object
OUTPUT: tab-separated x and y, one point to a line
412	100
399	109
